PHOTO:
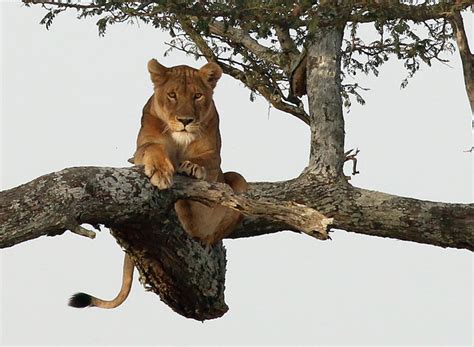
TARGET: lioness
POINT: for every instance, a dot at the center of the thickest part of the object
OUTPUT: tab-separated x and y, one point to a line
180	134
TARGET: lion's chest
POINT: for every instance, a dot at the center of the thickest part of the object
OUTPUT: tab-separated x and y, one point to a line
197	150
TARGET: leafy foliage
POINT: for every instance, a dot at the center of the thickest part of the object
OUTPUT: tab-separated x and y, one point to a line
262	42
413	44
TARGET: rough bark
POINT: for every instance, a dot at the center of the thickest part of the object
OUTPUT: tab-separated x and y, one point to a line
63	200
370	212
188	276
122	197
325	102
467	58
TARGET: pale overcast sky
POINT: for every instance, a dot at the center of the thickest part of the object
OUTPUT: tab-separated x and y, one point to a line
71	98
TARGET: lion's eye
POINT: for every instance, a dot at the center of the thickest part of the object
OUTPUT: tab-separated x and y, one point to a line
197	96
172	95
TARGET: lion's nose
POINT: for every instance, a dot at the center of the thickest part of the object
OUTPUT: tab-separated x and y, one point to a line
185	120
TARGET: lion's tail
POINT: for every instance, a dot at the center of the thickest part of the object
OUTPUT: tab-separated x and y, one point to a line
81	300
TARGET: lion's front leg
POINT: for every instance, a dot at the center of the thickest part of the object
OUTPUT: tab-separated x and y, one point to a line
157	164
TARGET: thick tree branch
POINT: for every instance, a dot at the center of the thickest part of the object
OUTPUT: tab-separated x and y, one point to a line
380	214
370	212
115	196
61	201
467	57
188	276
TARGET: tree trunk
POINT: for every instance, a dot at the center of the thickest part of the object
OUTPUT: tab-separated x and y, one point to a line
325	103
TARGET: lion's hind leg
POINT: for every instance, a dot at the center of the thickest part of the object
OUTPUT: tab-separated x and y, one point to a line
236	181
211	224
231	218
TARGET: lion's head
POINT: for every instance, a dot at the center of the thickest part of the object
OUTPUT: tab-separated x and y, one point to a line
183	97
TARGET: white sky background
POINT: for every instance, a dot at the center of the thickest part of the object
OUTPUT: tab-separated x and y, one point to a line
71	98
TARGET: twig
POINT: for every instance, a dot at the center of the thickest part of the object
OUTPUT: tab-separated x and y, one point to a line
352	156
79	230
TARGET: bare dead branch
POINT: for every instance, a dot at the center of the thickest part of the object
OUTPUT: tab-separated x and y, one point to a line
79	230
351	155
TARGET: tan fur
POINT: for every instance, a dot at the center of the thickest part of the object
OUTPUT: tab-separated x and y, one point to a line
180	134
166	146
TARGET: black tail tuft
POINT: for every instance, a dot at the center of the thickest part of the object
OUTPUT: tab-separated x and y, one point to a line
80	300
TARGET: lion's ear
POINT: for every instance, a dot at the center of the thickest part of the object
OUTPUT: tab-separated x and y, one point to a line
157	71
210	73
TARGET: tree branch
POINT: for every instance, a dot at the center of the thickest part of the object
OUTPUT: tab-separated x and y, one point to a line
369	212
386	215
188	276
274	98
467	57
109	196
60	201
287	44
364	11
239	36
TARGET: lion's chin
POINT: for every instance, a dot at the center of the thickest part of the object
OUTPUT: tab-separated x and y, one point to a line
183	138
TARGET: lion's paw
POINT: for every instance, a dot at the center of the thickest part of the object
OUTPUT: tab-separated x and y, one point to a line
192	170
160	173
